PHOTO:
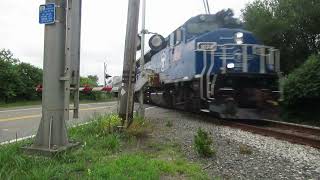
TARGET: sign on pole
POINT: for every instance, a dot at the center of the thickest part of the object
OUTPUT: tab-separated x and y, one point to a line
47	13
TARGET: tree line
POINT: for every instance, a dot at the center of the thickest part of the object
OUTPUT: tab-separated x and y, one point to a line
290	25
18	81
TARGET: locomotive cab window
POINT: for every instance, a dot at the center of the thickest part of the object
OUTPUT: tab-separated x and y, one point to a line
172	41
176	37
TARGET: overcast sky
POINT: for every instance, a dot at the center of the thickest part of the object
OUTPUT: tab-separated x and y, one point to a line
103	28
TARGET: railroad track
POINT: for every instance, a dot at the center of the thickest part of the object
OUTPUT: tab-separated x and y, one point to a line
295	133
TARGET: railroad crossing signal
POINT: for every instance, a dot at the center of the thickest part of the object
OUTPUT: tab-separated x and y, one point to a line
105	74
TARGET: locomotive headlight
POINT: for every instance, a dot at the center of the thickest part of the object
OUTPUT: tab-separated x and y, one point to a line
230	65
238	38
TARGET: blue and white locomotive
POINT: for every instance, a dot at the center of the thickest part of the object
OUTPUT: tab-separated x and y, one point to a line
206	66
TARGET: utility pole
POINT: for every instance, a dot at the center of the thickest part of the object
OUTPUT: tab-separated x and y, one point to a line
142	73
128	74
105	73
52	133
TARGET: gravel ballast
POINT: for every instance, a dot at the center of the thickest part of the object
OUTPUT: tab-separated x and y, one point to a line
264	158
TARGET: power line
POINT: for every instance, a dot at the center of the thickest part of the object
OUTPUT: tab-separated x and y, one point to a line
208	7
205	6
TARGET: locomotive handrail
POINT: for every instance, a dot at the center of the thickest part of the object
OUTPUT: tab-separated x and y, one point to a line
234	44
271	58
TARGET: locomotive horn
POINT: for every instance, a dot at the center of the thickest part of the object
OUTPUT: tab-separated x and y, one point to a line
157	42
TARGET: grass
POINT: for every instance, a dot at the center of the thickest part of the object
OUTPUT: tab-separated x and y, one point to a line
104	154
20	103
139	128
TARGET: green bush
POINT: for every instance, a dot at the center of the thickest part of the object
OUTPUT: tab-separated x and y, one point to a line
301	92
100	126
202	143
108	124
303	84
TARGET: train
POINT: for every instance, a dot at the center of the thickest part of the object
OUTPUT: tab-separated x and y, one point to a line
205	66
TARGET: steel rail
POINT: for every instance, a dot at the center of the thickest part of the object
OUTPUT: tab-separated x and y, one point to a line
294	133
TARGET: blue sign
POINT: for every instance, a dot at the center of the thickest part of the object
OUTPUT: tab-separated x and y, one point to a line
47	13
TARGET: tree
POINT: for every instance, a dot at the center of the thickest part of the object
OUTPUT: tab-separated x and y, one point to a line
94	79
29	77
8	76
290	25
6	55
18	80
226	18
88	81
91	81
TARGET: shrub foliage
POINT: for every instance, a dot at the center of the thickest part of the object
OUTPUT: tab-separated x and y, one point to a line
202	143
301	93
302	86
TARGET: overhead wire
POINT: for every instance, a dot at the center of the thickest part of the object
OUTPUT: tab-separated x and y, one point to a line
206	6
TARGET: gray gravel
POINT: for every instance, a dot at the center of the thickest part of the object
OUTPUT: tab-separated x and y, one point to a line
270	158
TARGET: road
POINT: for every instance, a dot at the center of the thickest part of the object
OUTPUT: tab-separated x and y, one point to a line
21	122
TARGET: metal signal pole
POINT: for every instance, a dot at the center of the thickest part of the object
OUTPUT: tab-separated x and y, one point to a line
128	74
74	36
52	133
143	34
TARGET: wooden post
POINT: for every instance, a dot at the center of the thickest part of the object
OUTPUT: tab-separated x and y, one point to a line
128	75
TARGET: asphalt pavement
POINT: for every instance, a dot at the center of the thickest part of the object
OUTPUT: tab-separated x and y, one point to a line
21	122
